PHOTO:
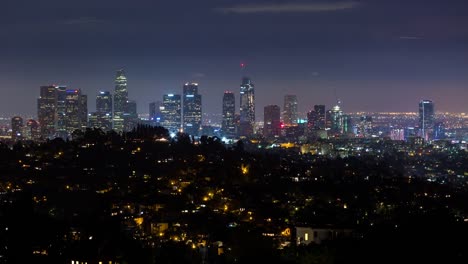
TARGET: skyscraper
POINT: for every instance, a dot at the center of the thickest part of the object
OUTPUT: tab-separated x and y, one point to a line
155	112
426	119
335	121
272	121
228	126
290	110
46	110
120	100
102	118
320	116
60	127
171	113
439	130
192	110
16	128
104	102
31	131
316	118
247	107
76	110
130	115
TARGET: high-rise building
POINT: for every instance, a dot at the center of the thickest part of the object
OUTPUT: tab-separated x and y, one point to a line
426	119
192	110
171	113
336	123
46	110
16	128
130	115
228	126
155	112
316	118
272	121
290	110
60	126
439	130
76	110
120	100
320	116
102	118
247	107
104	102
31	130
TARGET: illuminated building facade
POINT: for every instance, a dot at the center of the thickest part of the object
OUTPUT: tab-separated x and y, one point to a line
155	115
31	130
290	110
247	107
76	110
426	119
228	126
316	118
120	100
60	128
46	111
16	128
192	109
335	120
130	115
102	118
171	113
272	121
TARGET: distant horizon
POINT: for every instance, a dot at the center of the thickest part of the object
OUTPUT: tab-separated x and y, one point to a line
376	56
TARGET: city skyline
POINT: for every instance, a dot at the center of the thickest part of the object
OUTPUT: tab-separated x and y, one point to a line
326	50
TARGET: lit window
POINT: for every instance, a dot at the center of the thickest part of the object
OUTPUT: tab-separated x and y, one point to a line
306	236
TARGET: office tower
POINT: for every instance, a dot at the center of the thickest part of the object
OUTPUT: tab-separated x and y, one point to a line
76	110
46	110
347	125
316	118
290	110
171	113
16	128
228	126
130	116
192	110
120	100
32	130
60	127
439	130
102	118
335	120
247	107
319	121
104	102
426	119
155	112
271	121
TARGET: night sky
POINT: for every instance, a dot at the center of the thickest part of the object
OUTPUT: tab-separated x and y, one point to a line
374	55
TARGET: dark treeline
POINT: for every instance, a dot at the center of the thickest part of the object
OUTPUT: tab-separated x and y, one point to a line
51	189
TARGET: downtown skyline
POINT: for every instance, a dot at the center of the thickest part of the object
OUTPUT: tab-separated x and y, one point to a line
373	55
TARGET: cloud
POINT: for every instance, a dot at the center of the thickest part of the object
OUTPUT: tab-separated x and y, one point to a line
82	21
410	38
289	8
198	75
